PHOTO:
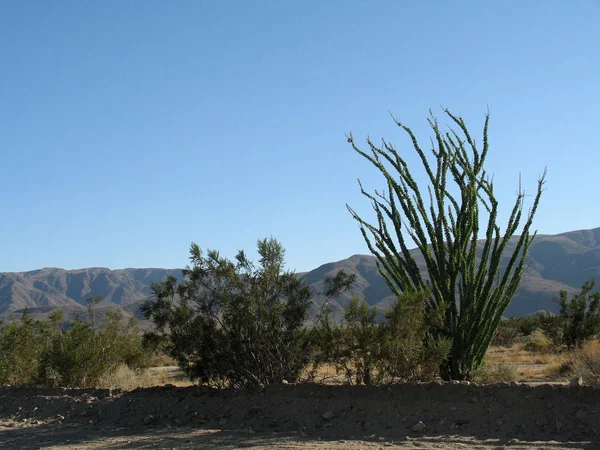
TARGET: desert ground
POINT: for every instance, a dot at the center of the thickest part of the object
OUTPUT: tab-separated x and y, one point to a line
304	416
540	410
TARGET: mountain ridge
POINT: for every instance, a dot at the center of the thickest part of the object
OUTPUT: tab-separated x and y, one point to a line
555	262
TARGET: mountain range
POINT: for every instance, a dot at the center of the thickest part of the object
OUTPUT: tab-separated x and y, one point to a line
555	262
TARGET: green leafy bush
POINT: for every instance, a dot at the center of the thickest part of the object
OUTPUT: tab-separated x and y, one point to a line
513	330
46	353
233	323
354	347
506	335
399	348
553	327
581	315
88	352
411	350
538	344
22	344
527	325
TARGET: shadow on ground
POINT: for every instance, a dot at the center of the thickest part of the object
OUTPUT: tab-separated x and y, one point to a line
303	416
65	436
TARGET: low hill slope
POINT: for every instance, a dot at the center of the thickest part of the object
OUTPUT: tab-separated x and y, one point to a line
555	262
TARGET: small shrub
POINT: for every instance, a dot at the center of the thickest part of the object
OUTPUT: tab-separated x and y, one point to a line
354	347
527	325
84	354
506	335
586	362
581	314
410	350
161	359
22	344
399	348
514	330
538	344
553	327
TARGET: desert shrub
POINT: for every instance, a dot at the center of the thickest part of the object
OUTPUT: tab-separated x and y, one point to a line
506	335
495	374
87	352
399	348
513	330
552	327
538	344
353	347
161	359
526	325
234	323
43	352
586	362
22	344
410	350
581	315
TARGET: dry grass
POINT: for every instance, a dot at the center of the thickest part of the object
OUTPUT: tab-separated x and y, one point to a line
495	374
162	360
128	379
169	375
327	374
530	366
586	362
549	365
558	367
516	355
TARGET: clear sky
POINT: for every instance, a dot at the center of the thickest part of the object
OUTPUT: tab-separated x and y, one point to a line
129	129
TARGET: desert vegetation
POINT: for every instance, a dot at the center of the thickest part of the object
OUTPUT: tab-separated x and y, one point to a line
241	324
368	351
79	354
229	325
468	286
108	352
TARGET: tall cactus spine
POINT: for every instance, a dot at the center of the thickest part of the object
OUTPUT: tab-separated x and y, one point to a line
466	278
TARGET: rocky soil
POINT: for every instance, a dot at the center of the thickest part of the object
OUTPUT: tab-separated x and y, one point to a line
431	415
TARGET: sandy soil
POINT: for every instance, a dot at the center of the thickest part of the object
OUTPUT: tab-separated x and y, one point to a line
305	416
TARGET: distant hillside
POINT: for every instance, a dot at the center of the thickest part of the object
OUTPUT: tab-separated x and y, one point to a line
48	289
555	262
558	262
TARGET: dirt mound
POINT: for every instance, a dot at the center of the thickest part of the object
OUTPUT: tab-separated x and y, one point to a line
429	410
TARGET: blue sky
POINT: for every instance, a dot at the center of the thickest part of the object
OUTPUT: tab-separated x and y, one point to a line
132	128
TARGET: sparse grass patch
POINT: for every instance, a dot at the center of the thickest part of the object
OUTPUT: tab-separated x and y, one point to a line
586	362
495	374
516	355
545	365
529	374
559	367
161	360
127	379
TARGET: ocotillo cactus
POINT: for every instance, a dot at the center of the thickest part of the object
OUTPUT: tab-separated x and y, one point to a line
470	286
